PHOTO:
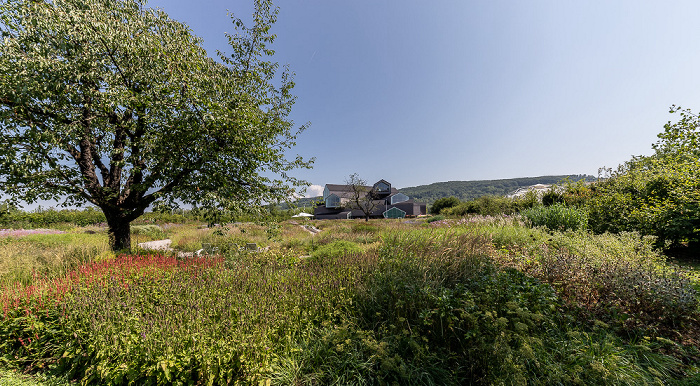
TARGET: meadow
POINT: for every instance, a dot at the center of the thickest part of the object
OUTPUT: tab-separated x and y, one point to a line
443	301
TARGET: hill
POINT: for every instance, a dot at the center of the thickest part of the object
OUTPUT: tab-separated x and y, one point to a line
469	190
306	202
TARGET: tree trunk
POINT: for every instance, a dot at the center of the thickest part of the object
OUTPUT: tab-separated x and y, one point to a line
119	234
366	218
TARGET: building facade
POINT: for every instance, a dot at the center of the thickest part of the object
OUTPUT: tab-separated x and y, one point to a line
384	201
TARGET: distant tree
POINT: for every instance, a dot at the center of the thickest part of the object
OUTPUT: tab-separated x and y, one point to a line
116	104
443	203
361	196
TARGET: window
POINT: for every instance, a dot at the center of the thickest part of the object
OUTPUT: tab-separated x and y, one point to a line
326	192
394	213
382	187
332	201
398	197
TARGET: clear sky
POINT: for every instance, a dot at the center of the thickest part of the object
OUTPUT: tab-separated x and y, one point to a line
417	92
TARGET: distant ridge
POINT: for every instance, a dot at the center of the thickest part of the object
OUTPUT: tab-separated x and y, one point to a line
469	190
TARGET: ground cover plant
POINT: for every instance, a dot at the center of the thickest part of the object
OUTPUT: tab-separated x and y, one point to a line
478	300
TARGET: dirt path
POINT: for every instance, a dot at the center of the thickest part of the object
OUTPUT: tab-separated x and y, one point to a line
310	228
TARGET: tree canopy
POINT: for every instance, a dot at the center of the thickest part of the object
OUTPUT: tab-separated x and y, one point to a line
659	194
444	203
113	103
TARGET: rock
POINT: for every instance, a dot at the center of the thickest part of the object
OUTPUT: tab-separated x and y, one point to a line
158	245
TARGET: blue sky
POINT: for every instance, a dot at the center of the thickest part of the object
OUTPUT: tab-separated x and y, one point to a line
417	92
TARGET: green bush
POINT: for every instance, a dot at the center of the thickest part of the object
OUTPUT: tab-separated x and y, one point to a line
557	217
485	206
620	278
552	196
656	195
435	218
444	203
51	217
653	196
437	303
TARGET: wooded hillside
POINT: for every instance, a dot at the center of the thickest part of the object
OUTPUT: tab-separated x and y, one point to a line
469	190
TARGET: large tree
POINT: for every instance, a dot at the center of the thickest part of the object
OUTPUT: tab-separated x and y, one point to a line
113	103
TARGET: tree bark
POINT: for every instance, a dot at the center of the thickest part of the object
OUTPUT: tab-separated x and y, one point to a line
119	234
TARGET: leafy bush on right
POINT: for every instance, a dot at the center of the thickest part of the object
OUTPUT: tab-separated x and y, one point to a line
656	195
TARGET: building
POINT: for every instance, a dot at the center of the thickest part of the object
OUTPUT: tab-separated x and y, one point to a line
385	201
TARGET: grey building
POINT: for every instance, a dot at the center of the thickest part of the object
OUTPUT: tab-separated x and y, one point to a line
387	202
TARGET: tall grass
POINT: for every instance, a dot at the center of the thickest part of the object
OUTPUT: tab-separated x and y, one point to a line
485	300
54	254
620	278
437	310
159	320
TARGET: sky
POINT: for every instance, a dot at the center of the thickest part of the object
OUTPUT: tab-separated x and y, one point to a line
416	92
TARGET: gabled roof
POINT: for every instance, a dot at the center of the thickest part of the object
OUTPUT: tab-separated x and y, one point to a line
341	188
342	191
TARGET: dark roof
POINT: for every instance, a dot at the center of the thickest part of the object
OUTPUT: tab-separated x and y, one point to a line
344	191
341	188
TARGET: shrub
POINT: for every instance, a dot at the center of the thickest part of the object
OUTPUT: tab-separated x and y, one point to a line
652	196
437	302
552	196
577	194
557	217
656	195
435	218
444	203
486	206
51	217
617	277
